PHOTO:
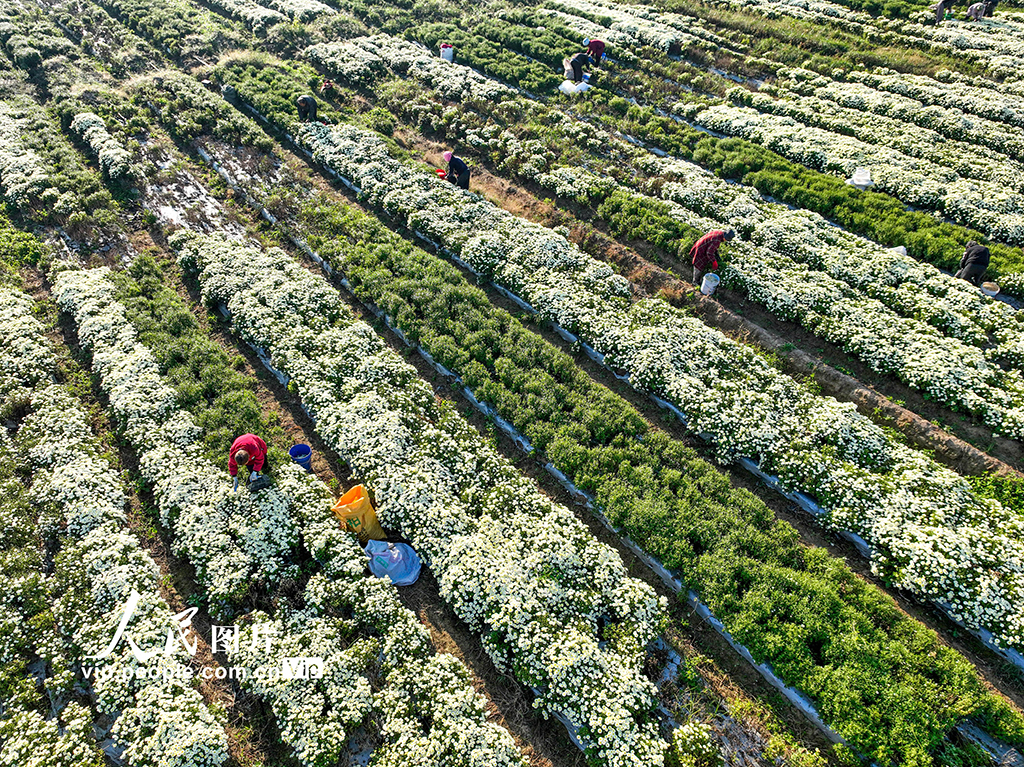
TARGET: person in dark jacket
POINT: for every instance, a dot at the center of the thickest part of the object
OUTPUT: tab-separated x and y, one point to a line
458	171
575	66
595	50
974	263
990	6
705	252
247	453
307	108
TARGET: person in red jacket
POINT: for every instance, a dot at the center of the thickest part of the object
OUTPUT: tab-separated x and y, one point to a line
247	452
595	49
705	252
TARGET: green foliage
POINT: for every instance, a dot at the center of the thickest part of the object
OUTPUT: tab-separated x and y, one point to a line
29	39
287	38
817	46
381	120
634	217
221	399
271	86
180	29
535	35
22	52
488	56
1007	489
17	249
187	110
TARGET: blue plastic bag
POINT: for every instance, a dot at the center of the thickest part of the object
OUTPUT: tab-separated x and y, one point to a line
397	561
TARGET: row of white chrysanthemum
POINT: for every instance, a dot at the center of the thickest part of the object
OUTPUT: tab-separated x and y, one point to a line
909	139
931	533
952	122
257	17
113	158
992	208
360	60
952	90
633	25
515	566
301	10
22	173
316	718
67	730
991	42
158	720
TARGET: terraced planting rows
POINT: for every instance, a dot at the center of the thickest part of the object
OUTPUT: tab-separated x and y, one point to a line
317	729
833	266
105	129
678	358
60	611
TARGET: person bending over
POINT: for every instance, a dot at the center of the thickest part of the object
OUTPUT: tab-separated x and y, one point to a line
973	264
247	453
705	252
458	171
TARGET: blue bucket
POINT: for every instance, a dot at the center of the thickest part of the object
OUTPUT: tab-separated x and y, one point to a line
302	455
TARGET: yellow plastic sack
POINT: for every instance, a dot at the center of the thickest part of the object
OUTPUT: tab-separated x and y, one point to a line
355	513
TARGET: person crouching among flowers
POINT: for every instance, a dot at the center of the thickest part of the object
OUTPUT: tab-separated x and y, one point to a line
248	453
